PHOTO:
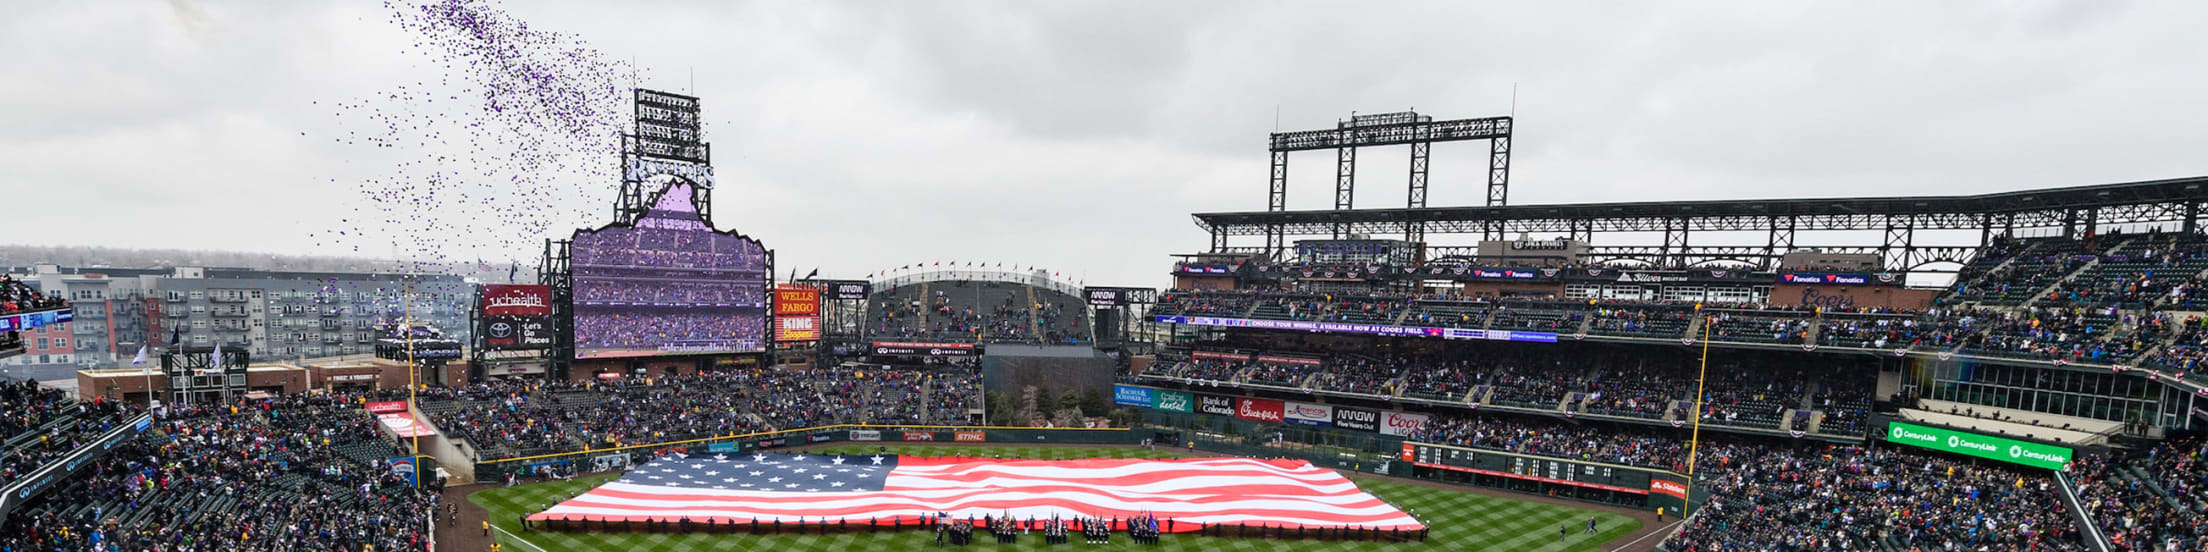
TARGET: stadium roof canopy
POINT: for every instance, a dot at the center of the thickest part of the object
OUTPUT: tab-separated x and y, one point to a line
2132	202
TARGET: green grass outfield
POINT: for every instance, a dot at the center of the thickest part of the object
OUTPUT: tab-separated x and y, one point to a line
1461	520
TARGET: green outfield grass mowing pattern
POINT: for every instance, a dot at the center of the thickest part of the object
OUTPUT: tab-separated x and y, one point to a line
1460	520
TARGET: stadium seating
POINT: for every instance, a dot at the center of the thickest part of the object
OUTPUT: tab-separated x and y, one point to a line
506	421
984	311
1833	497
256	476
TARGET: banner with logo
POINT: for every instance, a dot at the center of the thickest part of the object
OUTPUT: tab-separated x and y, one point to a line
385	407
404	467
969	436
919	435
1401	424
1215	405
1357	419
1827	278
1176	401
1259	410
907	348
2048	457
1670	488
819	438
796	313
866	435
516	317
1133	396
1309	414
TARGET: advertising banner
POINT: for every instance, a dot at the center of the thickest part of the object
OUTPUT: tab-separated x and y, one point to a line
1401	424
1176	401
819	438
1215	405
404	467
2048	457
852	290
791	329
969	436
516	332
919	435
1310	414
385	406
1828	278
1362	329
1133	396
909	348
866	435
1669	488
792	299
1300	361
1105	297
1259	410
1215	355
517	300
404	425
1357	419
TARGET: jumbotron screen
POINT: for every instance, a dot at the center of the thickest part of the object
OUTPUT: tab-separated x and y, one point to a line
669	285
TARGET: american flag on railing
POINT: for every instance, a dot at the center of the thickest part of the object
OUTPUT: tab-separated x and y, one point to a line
766	488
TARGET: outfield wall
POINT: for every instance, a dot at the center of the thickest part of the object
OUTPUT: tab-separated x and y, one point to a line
614	457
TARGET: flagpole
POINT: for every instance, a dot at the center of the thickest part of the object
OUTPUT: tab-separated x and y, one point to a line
1694	441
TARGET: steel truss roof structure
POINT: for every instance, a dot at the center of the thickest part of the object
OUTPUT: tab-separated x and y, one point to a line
2071	211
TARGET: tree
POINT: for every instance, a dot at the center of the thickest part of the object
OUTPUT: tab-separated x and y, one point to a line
1046	404
1001	410
1094	401
1072	399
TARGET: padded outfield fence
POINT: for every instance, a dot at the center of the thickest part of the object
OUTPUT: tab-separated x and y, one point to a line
602	459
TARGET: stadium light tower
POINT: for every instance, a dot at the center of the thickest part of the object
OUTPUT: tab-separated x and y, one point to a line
1420	132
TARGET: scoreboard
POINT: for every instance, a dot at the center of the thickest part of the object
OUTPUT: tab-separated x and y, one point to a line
1592	475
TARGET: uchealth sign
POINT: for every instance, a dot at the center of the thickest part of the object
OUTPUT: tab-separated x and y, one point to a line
1401	423
1309	414
1357	419
1671	488
866	435
1215	405
1176	401
1258	410
2048	457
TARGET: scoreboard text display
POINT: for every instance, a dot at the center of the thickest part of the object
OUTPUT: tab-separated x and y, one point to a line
1531	468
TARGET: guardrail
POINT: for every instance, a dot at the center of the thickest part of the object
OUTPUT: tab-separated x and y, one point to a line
23	489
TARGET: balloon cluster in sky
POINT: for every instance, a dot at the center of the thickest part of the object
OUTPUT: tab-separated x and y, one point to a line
507	135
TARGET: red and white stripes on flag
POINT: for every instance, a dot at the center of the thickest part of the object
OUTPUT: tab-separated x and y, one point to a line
767	488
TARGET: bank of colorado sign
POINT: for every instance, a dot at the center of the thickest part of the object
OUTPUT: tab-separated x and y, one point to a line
2048	457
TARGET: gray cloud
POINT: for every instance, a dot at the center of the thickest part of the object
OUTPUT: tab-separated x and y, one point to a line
1079	135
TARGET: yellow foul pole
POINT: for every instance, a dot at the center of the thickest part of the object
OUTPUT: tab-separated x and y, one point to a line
1694	441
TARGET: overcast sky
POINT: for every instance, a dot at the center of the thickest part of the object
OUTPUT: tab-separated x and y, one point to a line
1079	136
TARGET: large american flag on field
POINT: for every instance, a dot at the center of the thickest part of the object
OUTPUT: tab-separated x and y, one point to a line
799	488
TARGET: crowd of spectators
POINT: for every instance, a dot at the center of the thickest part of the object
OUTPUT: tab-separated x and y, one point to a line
670	293
42	424
519	419
250	476
2148	500
980	311
656	329
17	297
1816	497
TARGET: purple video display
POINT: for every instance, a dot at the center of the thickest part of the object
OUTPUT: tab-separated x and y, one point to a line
668	285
